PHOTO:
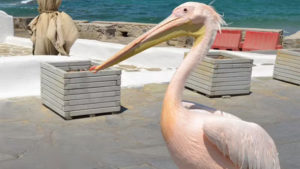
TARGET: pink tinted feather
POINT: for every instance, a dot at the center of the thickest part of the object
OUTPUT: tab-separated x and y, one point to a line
186	127
246	144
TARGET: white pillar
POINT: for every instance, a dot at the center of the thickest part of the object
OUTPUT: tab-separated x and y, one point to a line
6	26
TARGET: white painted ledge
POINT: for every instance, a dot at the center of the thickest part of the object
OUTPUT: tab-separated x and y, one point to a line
24	42
6	26
20	76
156	57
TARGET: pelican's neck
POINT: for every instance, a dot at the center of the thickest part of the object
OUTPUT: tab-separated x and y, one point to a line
201	46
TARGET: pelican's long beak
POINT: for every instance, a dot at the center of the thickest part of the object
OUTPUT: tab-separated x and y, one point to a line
169	28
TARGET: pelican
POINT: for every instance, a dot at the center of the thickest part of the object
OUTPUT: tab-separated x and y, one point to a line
199	137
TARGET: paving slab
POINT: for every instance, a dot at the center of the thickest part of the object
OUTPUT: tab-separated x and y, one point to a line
34	137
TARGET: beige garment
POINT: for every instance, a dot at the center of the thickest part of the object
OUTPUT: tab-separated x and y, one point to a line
53	32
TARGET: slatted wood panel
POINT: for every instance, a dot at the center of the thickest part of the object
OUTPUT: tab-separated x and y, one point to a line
71	93
221	74
287	66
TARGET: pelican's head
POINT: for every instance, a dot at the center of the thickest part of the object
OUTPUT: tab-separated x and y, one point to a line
188	19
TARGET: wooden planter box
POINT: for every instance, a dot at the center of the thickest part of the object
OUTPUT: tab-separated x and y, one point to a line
287	66
221	74
71	93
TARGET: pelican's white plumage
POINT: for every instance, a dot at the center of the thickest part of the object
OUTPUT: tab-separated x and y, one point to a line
199	137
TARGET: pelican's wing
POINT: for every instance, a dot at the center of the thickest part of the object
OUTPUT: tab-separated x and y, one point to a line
247	145
196	107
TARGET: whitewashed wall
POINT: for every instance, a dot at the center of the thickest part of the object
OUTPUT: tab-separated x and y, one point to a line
6	26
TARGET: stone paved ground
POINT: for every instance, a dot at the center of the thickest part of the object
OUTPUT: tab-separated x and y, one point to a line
13	50
33	137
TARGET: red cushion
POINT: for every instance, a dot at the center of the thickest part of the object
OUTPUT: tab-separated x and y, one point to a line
260	41
227	40
279	47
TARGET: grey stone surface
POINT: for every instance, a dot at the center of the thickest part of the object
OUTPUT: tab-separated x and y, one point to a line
123	32
292	41
33	137
21	25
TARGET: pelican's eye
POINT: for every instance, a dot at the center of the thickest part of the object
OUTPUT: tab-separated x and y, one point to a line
185	10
